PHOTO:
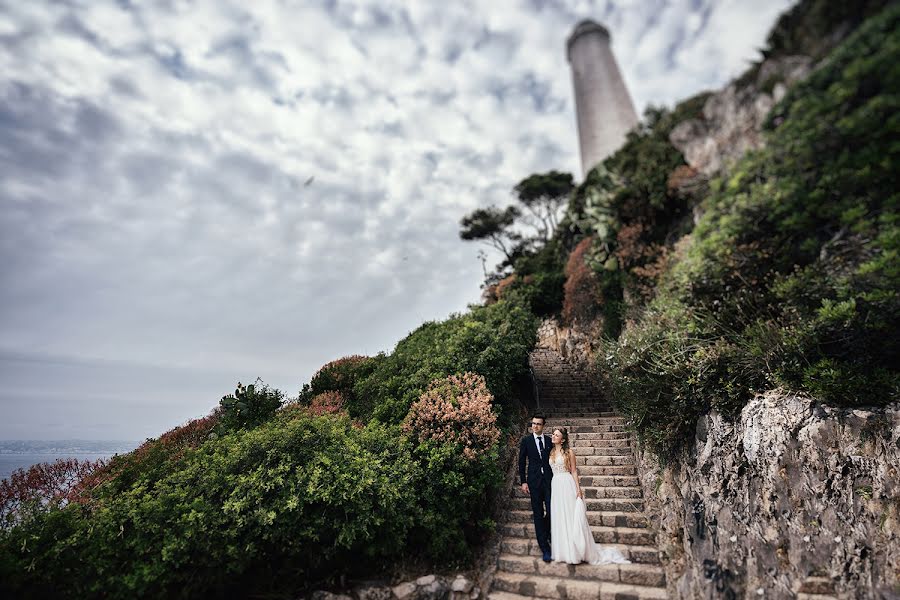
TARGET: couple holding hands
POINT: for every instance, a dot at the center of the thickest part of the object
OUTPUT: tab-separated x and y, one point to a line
549	476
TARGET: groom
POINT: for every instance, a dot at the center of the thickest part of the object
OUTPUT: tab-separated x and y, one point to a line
534	449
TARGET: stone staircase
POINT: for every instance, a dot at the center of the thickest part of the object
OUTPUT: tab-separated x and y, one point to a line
613	498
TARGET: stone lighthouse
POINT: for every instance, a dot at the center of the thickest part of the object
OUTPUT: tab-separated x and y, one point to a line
603	107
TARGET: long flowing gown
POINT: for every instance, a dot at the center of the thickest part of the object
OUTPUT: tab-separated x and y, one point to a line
571	540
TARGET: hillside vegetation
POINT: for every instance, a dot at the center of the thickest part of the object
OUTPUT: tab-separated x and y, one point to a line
781	273
380	460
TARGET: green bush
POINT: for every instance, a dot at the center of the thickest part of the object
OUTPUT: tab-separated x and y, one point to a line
271	510
293	500
541	292
340	376
249	406
492	341
457	497
790	277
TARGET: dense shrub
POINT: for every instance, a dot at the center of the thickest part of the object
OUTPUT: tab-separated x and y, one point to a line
339	376
327	403
456	497
492	341
540	278
152	460
453	420
249	406
790	277
541	292
43	486
258	509
582	289
455	410
635	206
811	27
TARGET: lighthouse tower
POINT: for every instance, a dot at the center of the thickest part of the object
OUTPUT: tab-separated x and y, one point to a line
603	107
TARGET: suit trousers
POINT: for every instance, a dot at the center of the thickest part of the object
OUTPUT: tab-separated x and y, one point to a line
540	509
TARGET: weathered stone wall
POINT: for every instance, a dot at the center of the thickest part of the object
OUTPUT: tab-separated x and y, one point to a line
791	495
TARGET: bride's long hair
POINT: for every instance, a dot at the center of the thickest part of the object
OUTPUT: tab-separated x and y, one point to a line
564	446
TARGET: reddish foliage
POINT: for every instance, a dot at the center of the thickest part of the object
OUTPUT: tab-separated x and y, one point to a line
686	182
504	284
582	290
644	262
334	368
681	176
43	485
456	409
173	442
489	295
191	434
327	403
630	247
495	292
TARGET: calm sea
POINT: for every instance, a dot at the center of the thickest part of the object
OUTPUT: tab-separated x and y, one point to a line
11	462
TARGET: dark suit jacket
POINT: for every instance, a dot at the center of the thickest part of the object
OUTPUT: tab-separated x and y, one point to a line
528	452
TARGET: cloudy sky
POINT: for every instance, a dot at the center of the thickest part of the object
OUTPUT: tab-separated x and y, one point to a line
196	193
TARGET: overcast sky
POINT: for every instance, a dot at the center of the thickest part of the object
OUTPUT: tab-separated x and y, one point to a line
196	193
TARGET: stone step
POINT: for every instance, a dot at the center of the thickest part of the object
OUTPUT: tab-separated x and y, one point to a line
598	429
511	596
603	459
600	518
579	413
639	574
607	445
581	421
608	480
633	536
592	436
528	546
606	470
582	439
624	505
611	492
606	451
601	436
592	492
583	405
590	411
521	501
538	586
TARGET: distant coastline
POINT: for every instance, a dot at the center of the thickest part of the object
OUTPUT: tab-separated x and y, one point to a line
21	454
67	446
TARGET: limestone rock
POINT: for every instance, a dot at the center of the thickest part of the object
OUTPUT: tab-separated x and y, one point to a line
733	118
405	591
436	590
461	584
792	495
374	593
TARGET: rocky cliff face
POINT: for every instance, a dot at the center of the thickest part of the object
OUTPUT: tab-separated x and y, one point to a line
733	118
577	345
792	497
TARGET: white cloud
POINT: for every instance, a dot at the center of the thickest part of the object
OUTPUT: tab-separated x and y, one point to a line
154	162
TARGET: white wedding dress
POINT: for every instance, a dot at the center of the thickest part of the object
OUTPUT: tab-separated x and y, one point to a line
571	540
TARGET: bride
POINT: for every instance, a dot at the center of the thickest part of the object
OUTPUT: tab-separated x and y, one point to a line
570	534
